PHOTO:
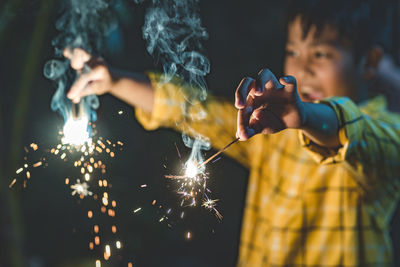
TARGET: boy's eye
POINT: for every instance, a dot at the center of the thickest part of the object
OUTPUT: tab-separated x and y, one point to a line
320	54
291	53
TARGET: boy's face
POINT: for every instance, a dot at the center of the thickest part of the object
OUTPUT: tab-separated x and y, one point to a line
322	66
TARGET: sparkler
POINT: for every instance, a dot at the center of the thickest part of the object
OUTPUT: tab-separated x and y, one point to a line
193	183
193	169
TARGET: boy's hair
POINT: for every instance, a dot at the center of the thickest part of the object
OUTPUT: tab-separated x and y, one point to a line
360	24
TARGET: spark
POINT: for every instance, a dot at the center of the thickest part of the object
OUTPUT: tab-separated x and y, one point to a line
37	164
210	204
188	235
120	112
19	170
107	252
12	183
105	201
143	185
137	210
97	240
34	146
81	189
118	244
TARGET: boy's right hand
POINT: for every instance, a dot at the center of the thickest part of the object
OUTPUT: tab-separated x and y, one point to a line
266	105
97	81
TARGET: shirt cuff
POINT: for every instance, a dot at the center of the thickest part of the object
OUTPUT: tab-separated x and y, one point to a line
349	116
167	103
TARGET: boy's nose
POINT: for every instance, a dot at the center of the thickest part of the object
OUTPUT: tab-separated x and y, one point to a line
303	69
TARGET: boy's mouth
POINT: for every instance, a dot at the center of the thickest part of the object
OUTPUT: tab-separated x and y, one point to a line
308	94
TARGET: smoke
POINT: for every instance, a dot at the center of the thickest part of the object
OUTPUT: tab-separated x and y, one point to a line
173	33
83	24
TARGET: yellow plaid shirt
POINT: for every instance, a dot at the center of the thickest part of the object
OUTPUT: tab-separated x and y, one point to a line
306	205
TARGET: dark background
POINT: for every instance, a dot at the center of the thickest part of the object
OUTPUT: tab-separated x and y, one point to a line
43	225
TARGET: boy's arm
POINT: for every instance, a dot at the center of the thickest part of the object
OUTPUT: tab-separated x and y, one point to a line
132	88
160	104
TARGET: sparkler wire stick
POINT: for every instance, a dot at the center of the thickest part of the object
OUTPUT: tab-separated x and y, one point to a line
219	152
76	111
178	177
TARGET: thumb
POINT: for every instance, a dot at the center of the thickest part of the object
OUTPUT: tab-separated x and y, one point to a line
289	82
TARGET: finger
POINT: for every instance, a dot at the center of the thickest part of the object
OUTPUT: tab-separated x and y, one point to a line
94	62
242	92
266	80
266	122
77	56
90	89
290	83
243	130
83	81
67	52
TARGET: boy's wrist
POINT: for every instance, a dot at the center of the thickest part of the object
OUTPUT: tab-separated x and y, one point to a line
304	115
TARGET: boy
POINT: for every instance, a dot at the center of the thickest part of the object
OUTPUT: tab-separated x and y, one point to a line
321	192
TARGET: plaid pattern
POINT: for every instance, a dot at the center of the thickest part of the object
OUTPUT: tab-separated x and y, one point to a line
306	205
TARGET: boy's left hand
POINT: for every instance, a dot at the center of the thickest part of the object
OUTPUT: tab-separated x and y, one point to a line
267	105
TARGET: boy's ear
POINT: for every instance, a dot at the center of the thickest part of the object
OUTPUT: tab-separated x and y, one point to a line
374	56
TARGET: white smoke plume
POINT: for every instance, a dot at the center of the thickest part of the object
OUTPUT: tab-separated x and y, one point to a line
83	24
174	36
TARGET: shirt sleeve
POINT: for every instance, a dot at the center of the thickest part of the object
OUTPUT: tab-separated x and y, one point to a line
370	145
214	118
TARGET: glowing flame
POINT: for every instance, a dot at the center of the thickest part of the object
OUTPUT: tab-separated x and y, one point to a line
191	169
76	131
